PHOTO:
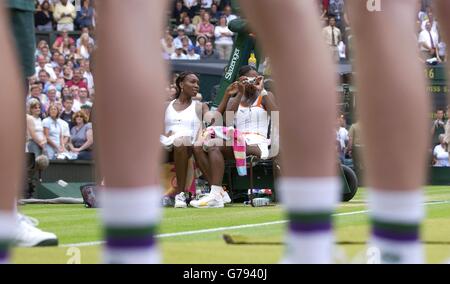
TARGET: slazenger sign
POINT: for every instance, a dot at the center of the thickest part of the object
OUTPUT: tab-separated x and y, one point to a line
233	63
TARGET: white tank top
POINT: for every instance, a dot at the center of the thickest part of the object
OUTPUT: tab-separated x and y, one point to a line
184	123
253	119
38	128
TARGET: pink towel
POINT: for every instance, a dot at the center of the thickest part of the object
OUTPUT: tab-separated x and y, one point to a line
238	140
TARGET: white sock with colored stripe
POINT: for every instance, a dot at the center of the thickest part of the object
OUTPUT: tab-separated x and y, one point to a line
310	203
8	229
130	217
396	217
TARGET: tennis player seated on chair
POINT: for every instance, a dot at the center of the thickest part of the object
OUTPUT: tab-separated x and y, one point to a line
251	105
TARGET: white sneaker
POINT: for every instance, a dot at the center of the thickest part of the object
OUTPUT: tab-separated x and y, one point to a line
180	200
209	201
30	236
225	197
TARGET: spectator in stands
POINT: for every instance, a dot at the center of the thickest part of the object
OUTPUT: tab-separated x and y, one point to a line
77	80
40	46
43	65
433	24
36	140
206	4
44	18
192	7
81	136
84	97
64	15
87	109
36	93
167	44
182	127
178	54
440	153
228	12
197	19
332	36
52	95
85	66
181	35
223	4
64	128
45	51
177	11
67	112
201	42
337	8
44	77
187	26
85	17
60	39
224	39
85	30
209	52
215	13
192	55
205	27
341	137
53	133
185	44
438	126
428	42
251	105
85	48
355	145
67	73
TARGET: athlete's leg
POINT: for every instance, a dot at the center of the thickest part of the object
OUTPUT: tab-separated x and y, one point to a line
394	105
128	134
12	144
304	73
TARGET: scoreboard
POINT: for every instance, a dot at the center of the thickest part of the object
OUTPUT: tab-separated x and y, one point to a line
437	87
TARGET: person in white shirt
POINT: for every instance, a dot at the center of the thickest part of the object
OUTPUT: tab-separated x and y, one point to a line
440	153
332	36
227	11
192	55
206	4
42	64
428	42
434	24
224	39
178	54
64	14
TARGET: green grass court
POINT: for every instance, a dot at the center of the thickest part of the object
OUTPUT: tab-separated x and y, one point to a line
199	238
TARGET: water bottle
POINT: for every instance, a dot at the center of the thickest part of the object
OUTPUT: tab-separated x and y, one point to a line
252	61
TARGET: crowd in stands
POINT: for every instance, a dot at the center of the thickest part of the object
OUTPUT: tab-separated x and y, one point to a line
61	92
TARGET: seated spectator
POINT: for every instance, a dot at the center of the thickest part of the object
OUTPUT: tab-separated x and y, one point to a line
251	105
197	19
192	55
182	127
67	74
185	44
440	153
60	39
168	45
179	53
224	39
65	128
81	137
36	93
43	19
53	133
85	30
36	141
85	66
85	16
84	97
181	34
209	52
228	12
215	13
341	137
43	65
192	7
77	80
52	95
64	15
205	27
67	112
201	42
85	48
177	11
438	126
44	79
187	26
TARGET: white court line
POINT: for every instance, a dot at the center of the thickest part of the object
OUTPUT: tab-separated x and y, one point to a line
86	244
